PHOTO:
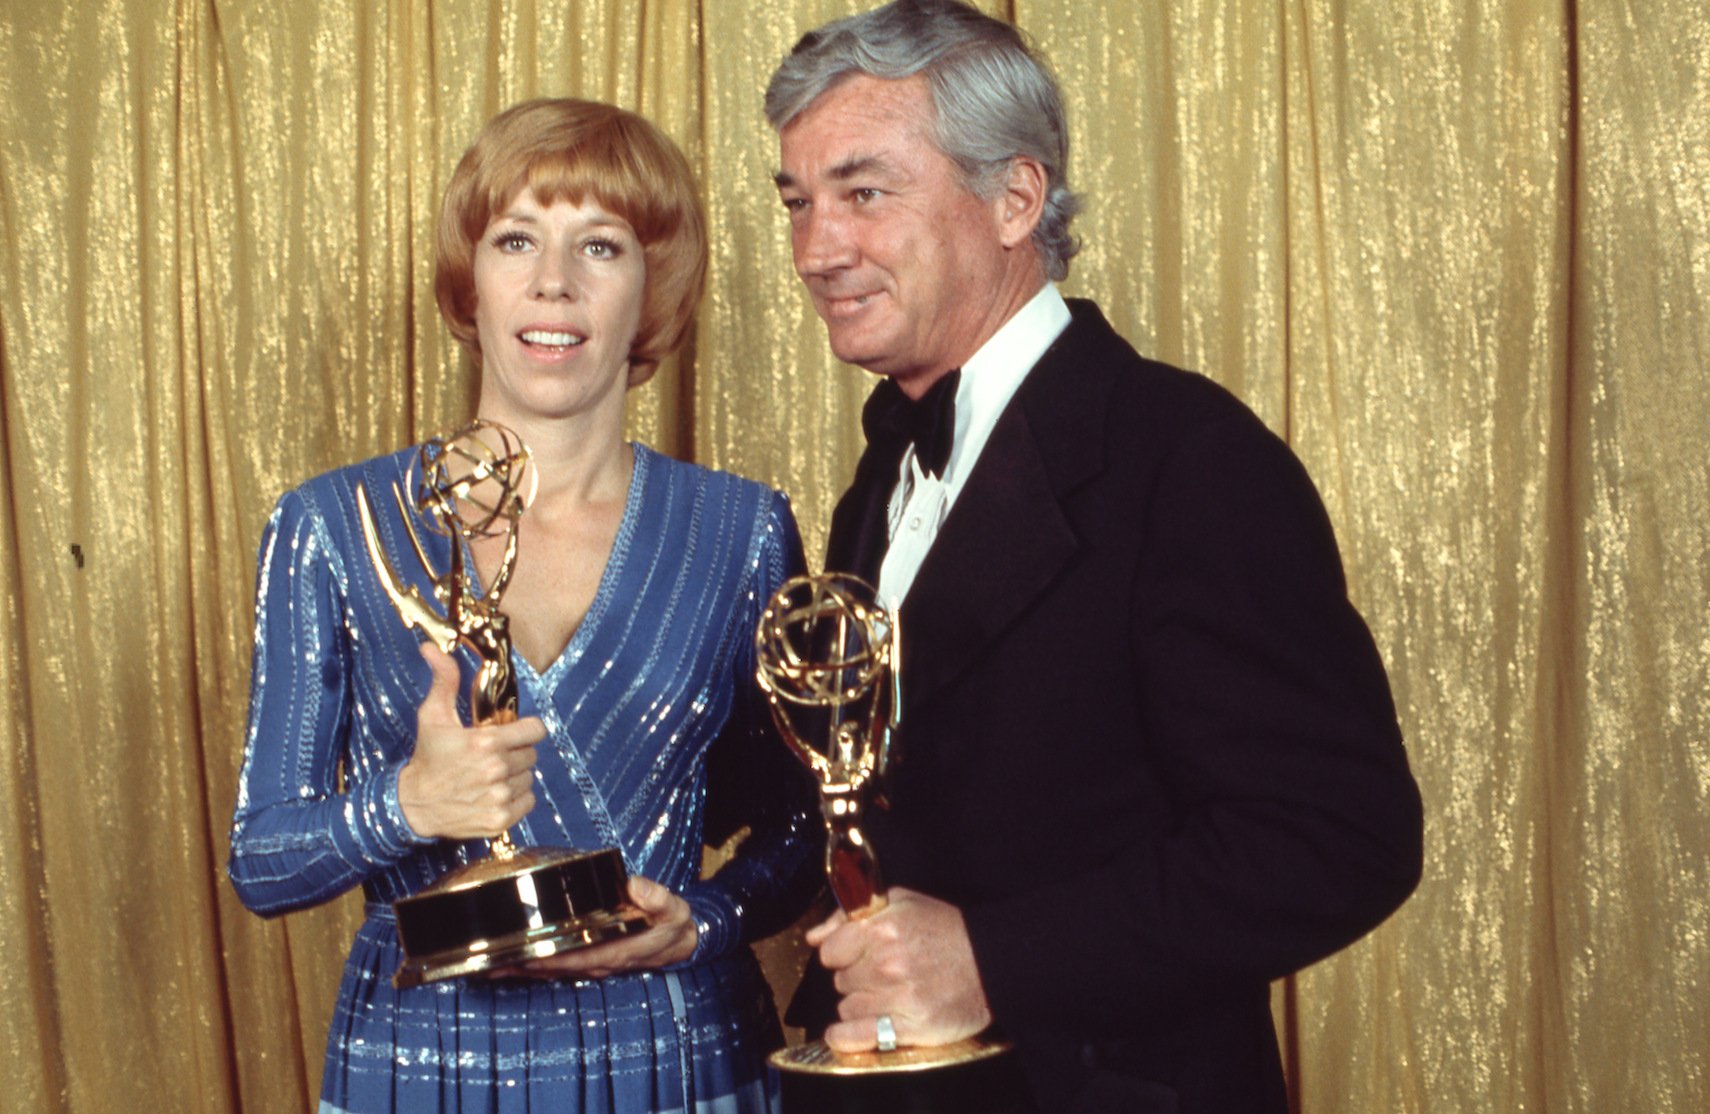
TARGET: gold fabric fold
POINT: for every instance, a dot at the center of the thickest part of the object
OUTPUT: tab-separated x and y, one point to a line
1456	253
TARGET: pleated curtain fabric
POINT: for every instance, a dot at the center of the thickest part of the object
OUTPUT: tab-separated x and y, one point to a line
1456	252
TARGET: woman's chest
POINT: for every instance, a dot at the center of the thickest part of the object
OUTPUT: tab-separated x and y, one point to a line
554	581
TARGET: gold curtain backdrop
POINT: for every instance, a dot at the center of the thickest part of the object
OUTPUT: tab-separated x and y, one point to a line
1457	252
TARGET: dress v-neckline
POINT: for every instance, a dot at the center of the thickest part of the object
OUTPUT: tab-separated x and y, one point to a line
545	682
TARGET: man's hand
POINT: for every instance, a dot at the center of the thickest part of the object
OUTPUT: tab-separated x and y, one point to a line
669	938
465	782
911	961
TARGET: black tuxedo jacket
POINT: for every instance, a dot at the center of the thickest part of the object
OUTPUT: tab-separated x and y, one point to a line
1147	745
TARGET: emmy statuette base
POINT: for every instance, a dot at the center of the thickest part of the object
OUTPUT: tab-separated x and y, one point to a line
968	1077
817	1058
511	908
491	955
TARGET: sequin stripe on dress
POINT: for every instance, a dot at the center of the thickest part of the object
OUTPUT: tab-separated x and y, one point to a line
680	1018
593	799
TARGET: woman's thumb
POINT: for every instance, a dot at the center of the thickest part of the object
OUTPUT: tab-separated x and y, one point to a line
441	699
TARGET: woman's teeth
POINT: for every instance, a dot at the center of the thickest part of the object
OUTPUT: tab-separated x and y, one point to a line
551	340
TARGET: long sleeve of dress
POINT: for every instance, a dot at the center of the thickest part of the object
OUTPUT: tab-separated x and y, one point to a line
298	838
754	781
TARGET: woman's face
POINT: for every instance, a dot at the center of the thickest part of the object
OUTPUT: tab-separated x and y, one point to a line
558	293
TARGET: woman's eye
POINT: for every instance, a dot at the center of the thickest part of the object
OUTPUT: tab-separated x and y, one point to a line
512	242
602	249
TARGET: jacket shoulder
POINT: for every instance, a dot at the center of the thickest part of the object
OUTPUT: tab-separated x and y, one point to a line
1092	375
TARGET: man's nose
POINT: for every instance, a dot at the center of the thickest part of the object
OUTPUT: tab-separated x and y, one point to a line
823	243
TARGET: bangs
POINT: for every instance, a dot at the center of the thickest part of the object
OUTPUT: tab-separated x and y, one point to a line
608	162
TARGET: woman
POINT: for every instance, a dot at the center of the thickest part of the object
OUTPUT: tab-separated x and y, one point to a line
571	256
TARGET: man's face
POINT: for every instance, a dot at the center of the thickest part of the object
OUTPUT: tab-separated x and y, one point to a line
905	264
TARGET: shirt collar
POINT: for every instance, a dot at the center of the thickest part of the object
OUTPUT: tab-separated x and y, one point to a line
991	376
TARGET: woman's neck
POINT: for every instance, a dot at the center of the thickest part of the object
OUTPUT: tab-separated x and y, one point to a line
578	460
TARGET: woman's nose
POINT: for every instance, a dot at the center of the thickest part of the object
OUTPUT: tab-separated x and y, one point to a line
554	276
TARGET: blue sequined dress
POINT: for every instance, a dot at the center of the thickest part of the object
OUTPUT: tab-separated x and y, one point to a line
659	670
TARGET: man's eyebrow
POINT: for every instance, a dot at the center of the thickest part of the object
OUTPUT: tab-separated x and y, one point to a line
855	165
851	167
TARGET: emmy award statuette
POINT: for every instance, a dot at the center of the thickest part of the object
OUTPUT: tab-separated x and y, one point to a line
826	656
517	903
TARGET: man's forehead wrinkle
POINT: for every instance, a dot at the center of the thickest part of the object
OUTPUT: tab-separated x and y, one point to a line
860	164
853	124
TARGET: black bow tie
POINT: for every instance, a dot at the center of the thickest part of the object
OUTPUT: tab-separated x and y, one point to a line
929	424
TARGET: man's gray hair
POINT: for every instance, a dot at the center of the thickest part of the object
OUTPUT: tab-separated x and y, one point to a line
993	98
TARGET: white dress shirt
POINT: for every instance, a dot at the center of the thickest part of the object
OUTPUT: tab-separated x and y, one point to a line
920	503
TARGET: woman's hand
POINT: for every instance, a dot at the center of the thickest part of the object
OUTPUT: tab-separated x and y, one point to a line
669	938
465	782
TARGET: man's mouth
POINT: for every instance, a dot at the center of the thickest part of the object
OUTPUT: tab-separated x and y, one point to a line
550	339
847	304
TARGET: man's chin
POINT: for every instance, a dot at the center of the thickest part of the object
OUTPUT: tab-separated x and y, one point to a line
871	364
861	355
866	346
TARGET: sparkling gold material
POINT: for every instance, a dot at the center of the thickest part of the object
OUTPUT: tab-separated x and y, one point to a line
476	483
473	483
480	956
513	881
826	655
1457	252
816	1058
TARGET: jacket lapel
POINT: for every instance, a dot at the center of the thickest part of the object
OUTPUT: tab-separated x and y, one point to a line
1007	536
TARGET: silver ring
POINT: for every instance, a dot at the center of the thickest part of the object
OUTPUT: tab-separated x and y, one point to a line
887	1033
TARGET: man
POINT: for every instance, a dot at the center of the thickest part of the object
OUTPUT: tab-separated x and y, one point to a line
1149	760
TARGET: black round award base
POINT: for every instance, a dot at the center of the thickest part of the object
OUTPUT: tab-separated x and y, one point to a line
966	1078
507	909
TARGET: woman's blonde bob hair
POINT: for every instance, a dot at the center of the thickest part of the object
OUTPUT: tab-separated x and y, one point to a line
575	151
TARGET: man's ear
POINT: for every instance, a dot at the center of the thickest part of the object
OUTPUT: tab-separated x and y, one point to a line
1022	201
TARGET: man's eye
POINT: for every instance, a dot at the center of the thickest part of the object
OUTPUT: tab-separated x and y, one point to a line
795	205
866	194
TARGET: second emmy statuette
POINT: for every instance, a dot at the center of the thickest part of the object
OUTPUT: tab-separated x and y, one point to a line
826	655
518	903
